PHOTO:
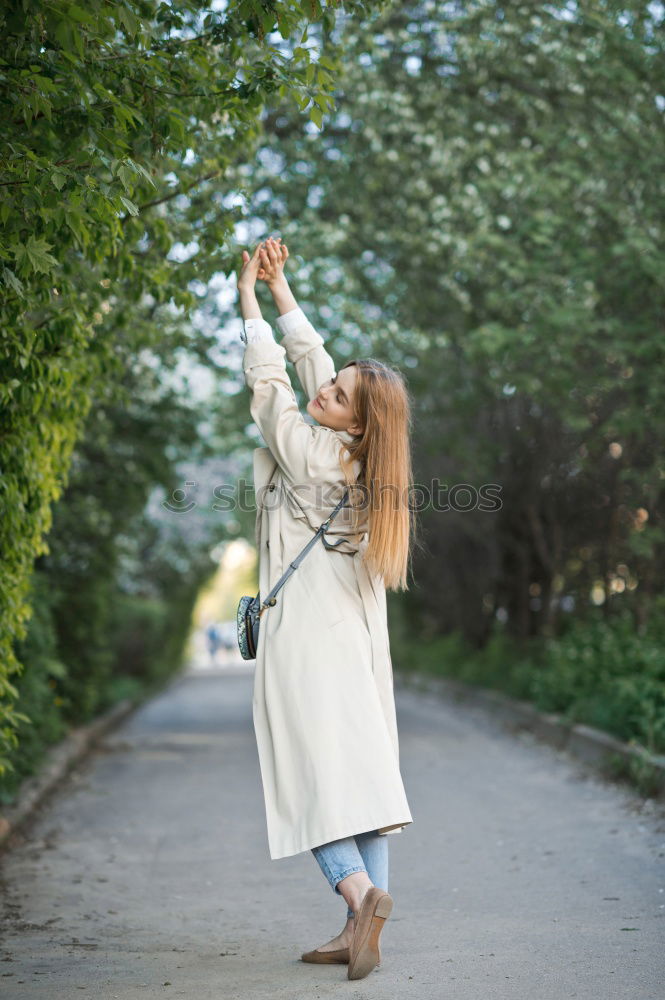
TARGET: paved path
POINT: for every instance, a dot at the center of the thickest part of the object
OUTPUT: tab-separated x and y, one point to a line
148	875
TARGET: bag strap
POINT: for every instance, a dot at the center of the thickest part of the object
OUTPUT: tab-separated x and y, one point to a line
270	599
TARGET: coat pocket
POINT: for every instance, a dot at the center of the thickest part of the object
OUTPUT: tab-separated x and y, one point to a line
340	627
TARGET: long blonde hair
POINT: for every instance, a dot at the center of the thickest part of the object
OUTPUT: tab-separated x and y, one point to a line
383	408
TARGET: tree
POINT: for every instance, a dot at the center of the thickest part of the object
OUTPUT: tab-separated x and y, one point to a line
483	209
119	123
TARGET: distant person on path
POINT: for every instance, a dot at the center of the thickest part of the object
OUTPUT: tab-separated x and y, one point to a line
214	640
323	703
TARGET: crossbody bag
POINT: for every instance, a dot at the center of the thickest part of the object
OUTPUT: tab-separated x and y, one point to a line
251	608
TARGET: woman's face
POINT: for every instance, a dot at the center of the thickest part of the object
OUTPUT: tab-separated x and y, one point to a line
333	405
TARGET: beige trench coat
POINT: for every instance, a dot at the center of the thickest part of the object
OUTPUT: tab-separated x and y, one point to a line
323	704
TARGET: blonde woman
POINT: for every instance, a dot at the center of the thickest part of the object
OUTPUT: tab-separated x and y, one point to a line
323	704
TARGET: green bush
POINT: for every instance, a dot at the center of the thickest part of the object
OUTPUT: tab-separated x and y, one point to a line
607	675
41	672
143	640
599	672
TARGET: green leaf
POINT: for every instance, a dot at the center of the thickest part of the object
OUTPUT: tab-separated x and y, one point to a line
80	15
127	17
177	127
129	205
141	170
12	281
34	254
125	175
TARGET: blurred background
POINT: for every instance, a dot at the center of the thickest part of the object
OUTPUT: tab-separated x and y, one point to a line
469	191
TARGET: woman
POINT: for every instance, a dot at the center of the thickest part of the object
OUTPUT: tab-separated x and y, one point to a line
323	704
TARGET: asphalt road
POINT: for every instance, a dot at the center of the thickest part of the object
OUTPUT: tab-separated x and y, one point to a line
147	873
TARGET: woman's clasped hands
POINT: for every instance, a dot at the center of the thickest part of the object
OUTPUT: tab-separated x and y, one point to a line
266	263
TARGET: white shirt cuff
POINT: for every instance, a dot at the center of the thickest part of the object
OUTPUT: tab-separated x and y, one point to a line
256	329
288	321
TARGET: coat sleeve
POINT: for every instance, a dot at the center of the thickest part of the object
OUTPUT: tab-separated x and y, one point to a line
304	347
255	329
305	453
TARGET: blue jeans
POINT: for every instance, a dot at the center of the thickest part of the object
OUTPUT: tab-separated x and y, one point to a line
365	852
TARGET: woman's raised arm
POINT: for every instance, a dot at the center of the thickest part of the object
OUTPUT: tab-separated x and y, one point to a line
305	453
303	345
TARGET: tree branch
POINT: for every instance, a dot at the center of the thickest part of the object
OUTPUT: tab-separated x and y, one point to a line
179	191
